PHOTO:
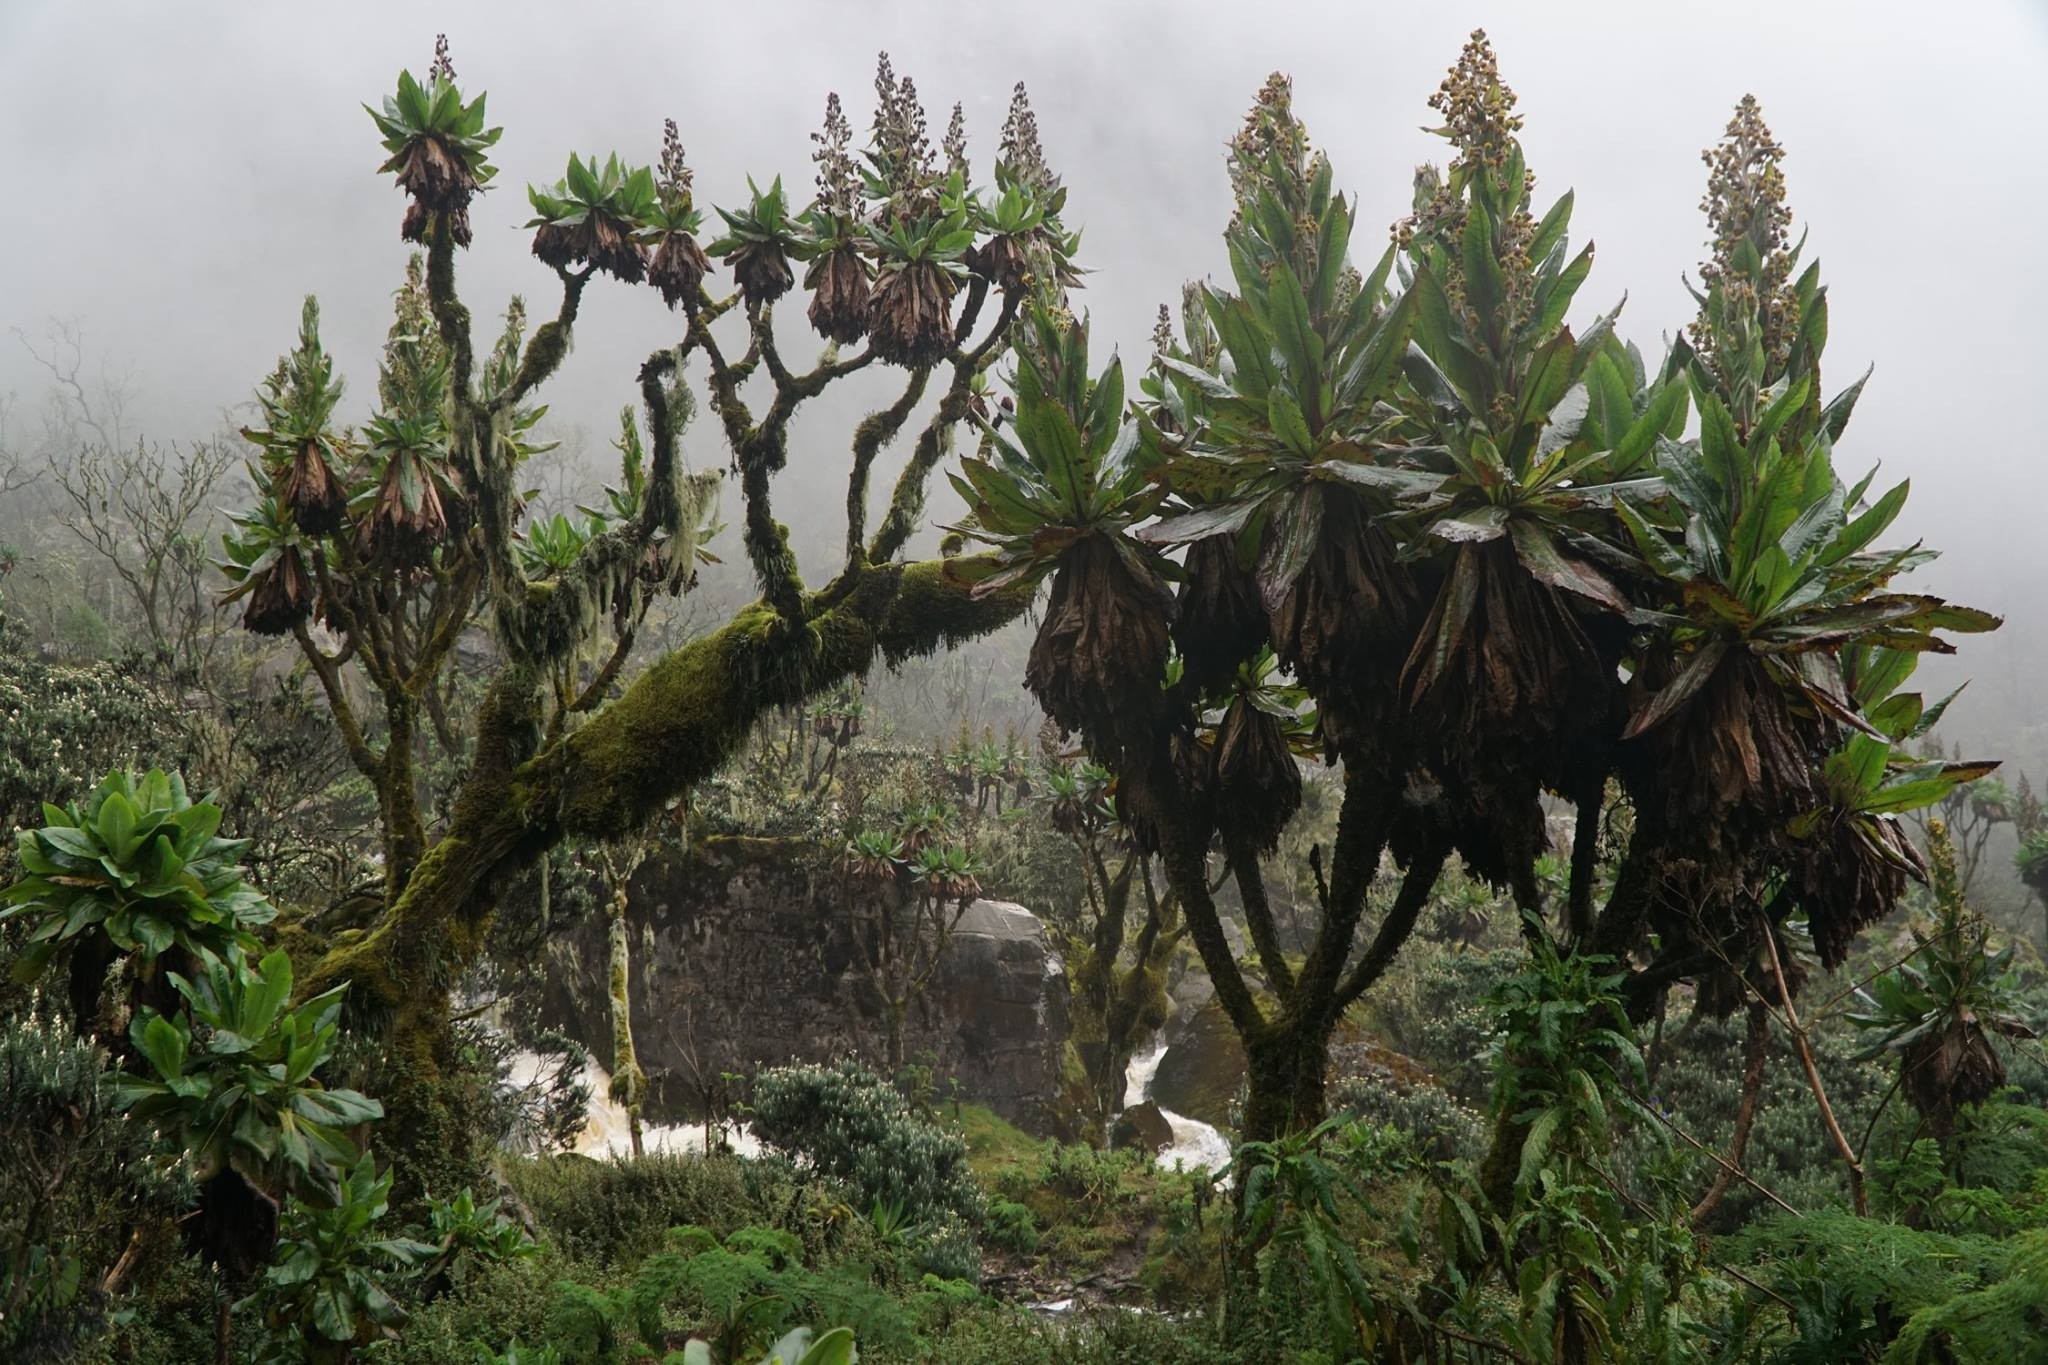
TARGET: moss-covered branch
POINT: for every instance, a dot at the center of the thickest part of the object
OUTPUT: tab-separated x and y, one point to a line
548	346
1416	886
906	503
876	430
676	724
450	313
1258	913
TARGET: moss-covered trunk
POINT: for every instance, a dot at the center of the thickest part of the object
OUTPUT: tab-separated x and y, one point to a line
629	1082
679	722
1284	1080
1284	1070
398	804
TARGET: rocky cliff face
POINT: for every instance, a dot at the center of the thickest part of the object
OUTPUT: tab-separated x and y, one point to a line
741	959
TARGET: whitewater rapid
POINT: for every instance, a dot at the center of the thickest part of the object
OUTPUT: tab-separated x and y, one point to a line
1194	1143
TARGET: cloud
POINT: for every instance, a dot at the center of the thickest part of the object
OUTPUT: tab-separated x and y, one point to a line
179	176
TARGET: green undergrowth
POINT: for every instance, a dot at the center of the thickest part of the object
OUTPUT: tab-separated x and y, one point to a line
651	1250
1118	1223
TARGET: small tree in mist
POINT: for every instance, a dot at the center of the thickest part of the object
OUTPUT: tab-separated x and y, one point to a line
375	548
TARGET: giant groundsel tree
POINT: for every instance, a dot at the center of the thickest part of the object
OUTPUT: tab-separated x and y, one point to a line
1484	546
375	548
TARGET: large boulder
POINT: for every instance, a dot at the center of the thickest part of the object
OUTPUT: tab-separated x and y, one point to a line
1203	1067
1142	1128
742	958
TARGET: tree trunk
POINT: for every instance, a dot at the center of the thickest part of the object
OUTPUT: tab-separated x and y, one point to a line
629	1082
677	723
1284	1080
425	1130
398	805
1284	1071
893	1014
1755	1052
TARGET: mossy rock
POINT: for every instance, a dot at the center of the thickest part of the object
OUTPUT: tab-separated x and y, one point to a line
1203	1068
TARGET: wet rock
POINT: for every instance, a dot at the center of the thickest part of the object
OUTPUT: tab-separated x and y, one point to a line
1203	1067
1142	1128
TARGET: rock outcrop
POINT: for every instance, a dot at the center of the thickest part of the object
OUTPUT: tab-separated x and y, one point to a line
1143	1128
742	958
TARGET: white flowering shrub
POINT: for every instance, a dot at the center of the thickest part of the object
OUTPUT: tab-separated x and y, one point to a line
62	727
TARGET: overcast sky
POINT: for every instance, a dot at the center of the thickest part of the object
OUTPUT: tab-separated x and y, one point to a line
179	175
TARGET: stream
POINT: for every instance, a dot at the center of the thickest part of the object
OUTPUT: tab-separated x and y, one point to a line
607	1133
1194	1143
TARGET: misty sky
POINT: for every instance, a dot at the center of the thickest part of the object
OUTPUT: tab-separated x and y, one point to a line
179	175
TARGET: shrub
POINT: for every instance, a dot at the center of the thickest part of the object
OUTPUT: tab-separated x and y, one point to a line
1432	1008
1440	1127
1789	1151
1857	1283
73	1179
739	1293
326	1291
946	1247
138	868
468	1237
1105	1337
61	728
617	1212
500	1304
850	1124
1011	1226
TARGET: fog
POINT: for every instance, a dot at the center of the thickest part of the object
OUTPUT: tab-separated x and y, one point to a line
179	176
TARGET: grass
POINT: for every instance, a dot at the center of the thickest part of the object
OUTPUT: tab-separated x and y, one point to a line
995	1147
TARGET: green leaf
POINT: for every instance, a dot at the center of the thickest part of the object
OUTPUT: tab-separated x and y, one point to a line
161	1042
1472	525
1665	407
835	1347
333	1313
1536	1145
1539	554
1555	297
1721	451
116	825
1483	286
1385	478
1550	232
1288	423
153	932
1293	334
1223	518
1438	333
1379	361
1550	376
1868	526
1834	418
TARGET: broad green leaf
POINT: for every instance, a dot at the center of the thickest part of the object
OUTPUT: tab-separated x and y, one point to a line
161	1042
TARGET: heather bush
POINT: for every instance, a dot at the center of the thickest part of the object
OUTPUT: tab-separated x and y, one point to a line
844	1121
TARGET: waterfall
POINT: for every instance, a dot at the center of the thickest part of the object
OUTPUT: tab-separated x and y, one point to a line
1194	1143
608	1132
